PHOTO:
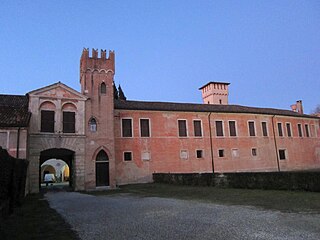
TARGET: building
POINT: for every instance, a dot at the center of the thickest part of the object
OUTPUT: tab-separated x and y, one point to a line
107	141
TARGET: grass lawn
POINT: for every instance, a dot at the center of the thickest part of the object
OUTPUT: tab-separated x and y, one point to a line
286	201
35	220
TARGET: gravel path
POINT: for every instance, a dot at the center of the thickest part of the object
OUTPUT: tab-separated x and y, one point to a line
124	216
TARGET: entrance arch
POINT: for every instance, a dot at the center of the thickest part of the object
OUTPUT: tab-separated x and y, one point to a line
102	169
63	154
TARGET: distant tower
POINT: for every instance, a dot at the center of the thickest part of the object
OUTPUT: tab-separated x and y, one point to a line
215	93
96	78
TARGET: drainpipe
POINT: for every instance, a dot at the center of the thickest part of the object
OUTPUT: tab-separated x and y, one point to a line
18	143
211	148
275	143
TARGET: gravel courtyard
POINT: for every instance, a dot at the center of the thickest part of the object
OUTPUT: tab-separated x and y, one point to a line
126	216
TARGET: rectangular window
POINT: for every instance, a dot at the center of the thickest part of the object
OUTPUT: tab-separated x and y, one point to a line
182	124
69	121
282	154
219	128
232	129
280	133
197	128
127	156
288	129
47	121
299	130
264	129
306	126
144	128
199	153
221	152
254	152
126	127
252	131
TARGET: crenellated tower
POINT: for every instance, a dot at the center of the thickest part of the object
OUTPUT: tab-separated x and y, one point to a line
96	79
215	93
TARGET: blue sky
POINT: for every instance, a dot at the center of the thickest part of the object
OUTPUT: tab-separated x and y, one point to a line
165	50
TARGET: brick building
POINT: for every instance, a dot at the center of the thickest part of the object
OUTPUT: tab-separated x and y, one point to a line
107	141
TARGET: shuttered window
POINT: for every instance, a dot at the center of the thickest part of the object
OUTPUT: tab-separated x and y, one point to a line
232	129
47	121
252	131
182	128
144	128
219	128
69	121
126	127
197	128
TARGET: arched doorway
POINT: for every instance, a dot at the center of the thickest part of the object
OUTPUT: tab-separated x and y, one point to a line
57	157
102	169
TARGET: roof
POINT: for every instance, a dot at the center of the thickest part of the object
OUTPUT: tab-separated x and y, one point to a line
192	107
225	83
14	111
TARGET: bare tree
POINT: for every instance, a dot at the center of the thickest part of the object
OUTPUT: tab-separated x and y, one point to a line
316	111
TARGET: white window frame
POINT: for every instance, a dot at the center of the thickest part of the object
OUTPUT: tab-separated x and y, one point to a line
290	125
285	154
127	152
186	151
215	128
254	127
281	129
140	127
202	153
194	129
224	153
302	132
132	132
187	130
236	126
235	150
266	122
256	149
307	130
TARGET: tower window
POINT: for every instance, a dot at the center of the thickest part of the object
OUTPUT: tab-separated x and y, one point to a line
103	88
93	125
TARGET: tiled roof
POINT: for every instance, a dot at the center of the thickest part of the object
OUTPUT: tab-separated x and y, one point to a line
14	111
192	107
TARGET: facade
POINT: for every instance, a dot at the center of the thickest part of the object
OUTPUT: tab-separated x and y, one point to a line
107	141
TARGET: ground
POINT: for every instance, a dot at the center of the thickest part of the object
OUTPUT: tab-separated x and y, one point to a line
157	211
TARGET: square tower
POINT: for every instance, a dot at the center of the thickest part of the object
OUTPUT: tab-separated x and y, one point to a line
215	93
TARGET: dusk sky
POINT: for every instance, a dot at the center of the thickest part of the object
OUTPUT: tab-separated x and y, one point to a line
165	50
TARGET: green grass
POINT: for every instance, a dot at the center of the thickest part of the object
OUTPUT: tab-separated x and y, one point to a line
286	201
35	220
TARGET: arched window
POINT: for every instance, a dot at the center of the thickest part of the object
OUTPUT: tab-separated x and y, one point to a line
102	169
93	125
103	88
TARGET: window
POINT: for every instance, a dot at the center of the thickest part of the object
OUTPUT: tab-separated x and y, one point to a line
219	128
126	127
144	128
47	121
254	152
197	128
252	131
199	153
182	124
264	129
288	129
306	126
282	154
145	156
93	125
69	122
280	130
127	156
232	129
299	130
103	88
221	152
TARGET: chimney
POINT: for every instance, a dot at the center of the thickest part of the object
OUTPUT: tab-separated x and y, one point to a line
297	107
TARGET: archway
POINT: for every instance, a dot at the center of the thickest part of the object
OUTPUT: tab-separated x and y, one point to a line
61	160
102	169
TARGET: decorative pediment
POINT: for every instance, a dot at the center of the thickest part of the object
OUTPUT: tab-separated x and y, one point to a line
57	90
